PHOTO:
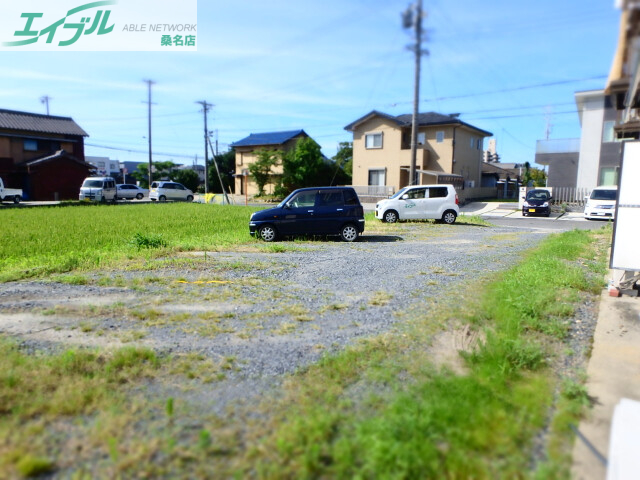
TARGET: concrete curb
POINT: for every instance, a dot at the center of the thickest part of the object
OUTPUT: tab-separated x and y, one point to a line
614	374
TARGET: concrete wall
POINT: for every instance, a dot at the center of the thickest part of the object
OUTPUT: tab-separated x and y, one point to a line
563	168
592	119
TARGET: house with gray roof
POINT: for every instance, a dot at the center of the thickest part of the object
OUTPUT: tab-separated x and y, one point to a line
246	153
449	151
42	154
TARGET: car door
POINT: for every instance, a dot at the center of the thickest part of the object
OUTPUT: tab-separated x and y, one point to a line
434	203
298	214
414	203
172	191
330	212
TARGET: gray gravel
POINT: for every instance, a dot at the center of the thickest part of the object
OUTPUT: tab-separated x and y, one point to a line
278	311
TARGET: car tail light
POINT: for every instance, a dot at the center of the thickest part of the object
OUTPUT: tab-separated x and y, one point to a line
457	201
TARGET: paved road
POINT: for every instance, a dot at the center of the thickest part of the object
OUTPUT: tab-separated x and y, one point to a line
560	224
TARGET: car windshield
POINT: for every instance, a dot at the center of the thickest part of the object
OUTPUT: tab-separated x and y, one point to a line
603	195
538	195
92	184
399	192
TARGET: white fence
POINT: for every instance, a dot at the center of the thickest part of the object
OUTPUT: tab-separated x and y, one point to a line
570	195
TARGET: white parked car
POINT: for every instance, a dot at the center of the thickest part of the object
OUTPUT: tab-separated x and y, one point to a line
98	189
418	202
601	203
163	191
129	191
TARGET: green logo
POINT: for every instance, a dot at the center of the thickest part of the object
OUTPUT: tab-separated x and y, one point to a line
98	26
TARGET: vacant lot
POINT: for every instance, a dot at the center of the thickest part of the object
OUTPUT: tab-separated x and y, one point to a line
182	355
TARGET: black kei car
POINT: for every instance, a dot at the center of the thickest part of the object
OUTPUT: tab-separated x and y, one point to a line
312	211
537	202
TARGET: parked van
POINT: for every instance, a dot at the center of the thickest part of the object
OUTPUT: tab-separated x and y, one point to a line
419	202
601	203
99	189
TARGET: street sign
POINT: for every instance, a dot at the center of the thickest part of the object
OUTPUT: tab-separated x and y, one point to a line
626	229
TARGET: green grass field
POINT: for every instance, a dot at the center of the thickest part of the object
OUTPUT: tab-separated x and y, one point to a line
62	239
48	240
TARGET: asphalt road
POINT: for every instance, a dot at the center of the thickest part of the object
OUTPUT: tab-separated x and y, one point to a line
559	224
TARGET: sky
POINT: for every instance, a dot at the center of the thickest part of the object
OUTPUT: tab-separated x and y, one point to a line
507	67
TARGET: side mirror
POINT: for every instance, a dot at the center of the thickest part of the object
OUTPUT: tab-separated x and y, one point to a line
524	198
405	196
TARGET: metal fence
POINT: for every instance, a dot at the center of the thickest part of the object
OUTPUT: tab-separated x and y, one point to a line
570	195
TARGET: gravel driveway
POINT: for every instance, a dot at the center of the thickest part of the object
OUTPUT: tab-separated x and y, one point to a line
260	315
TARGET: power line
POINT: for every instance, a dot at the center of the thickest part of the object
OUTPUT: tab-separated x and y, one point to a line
504	90
131	150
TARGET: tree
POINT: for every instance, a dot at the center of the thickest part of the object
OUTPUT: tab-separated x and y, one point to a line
302	165
533	177
344	163
187	177
344	157
261	169
227	165
160	170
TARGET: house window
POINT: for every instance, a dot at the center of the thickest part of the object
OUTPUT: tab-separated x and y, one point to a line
607	132
422	138
373	140
479	144
608	176
473	142
377	177
31	145
440	136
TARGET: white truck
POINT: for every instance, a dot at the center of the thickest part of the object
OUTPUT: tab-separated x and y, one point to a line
9	194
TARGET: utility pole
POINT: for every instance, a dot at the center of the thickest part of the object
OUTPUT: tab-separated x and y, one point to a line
149	83
205	110
45	101
412	18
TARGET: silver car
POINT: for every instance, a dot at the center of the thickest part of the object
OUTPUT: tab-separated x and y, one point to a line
163	191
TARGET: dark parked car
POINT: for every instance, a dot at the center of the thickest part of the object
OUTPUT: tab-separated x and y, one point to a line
312	211
537	202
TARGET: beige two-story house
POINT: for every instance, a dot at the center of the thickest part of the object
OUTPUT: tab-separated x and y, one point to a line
449	150
247	150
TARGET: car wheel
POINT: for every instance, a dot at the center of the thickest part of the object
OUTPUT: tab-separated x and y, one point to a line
103	200
190	198
390	216
139	196
349	233
16	199
267	233
449	217
115	199
162	198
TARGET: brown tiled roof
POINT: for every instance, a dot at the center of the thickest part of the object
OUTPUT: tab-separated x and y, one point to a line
33	122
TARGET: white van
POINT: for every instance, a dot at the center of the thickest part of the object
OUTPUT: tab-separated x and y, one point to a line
99	189
418	202
601	203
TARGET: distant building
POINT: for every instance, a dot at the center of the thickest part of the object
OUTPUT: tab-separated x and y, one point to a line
42	154
246	153
105	166
607	118
449	151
